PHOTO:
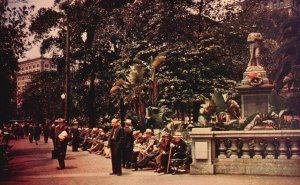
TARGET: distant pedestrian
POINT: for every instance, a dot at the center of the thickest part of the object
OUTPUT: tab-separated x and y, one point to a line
30	132
46	131
52	133
37	133
75	137
116	142
61	142
128	144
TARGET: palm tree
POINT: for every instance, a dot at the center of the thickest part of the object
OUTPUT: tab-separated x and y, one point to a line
288	61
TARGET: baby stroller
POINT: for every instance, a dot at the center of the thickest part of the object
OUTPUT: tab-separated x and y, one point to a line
180	162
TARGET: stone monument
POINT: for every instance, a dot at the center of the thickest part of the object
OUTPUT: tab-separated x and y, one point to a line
255	86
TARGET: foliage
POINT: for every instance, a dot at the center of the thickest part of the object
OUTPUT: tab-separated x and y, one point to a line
13	42
42	97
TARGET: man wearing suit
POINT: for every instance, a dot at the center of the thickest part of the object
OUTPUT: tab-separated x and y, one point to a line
128	144
75	136
116	141
61	143
46	131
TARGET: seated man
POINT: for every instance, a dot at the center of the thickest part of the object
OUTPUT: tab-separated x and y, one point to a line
179	153
106	149
148	143
178	145
164	152
137	145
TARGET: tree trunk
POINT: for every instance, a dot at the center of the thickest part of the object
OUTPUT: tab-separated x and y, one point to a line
91	102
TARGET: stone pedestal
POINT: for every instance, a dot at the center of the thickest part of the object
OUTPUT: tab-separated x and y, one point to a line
203	151
254	97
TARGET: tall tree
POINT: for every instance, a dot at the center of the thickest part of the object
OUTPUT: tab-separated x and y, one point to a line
13	42
42	97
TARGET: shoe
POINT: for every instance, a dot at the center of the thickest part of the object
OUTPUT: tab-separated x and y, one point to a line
119	174
135	166
59	168
112	174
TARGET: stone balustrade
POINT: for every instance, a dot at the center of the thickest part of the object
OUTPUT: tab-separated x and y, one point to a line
260	152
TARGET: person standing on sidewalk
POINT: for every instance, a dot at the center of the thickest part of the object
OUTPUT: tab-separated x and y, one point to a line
116	141
75	137
30	132
128	144
46	131
37	133
61	142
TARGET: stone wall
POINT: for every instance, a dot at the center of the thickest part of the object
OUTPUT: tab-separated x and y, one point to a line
274	152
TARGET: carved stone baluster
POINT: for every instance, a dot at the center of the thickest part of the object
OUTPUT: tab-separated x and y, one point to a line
245	149
270	149
257	150
295	149
282	149
233	149
222	149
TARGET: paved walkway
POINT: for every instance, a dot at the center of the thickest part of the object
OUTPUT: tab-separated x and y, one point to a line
32	164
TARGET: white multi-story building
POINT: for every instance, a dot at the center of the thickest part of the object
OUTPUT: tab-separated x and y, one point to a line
27	69
279	5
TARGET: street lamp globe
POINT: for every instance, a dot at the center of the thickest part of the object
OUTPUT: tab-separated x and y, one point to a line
84	36
63	96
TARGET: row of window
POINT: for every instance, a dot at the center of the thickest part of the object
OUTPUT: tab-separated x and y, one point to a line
274	3
34	66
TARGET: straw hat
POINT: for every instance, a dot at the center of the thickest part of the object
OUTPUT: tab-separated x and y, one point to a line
60	120
136	132
114	120
148	130
165	134
177	134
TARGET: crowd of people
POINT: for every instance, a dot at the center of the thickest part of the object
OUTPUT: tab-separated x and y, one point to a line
130	148
127	148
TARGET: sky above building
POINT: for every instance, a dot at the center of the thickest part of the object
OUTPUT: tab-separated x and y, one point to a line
34	51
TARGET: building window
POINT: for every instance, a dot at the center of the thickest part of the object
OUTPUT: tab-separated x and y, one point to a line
26	68
46	65
33	66
38	65
29	67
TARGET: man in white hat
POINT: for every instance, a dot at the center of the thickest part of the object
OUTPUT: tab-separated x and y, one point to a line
61	142
116	142
178	144
128	144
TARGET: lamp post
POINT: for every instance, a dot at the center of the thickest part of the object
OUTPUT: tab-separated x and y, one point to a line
63	97
67	84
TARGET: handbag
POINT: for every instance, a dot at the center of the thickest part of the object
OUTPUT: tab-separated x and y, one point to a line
54	154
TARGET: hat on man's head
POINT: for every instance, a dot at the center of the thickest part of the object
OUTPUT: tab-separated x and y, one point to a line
60	120
148	130
165	134
177	134
114	120
136	132
128	122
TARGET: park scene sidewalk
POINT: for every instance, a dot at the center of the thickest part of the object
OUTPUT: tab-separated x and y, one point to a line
32	165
